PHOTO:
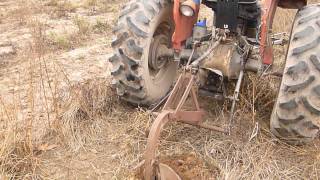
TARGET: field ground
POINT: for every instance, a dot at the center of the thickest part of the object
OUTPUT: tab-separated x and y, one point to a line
59	119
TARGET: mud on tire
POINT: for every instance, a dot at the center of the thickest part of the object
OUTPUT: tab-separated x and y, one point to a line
139	22
296	115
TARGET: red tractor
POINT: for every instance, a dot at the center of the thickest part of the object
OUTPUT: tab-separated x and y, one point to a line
155	40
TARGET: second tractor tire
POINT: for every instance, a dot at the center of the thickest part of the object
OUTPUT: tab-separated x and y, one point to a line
296	115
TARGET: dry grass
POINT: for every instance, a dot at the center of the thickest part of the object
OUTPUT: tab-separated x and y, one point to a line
84	130
86	103
53	113
91	3
102	26
61	8
68	111
22	12
22	137
17	147
82	25
60	41
67	40
99	6
19	141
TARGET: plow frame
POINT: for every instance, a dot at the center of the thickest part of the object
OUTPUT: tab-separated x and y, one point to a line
173	112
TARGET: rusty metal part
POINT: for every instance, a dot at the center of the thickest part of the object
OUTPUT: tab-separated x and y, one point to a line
167	173
225	59
152	144
173	111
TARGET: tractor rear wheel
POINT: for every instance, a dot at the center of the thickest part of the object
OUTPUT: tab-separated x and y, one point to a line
296	115
140	76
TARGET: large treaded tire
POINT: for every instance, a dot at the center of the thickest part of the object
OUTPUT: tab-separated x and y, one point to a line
138	23
296	115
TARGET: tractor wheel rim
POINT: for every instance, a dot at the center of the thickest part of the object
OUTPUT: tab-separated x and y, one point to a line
156	63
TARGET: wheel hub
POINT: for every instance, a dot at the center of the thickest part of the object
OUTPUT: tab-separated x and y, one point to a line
156	62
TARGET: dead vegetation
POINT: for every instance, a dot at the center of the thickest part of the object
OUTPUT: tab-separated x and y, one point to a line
61	9
21	12
86	103
23	139
54	127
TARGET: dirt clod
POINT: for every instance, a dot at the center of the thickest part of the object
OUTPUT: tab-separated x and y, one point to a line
189	167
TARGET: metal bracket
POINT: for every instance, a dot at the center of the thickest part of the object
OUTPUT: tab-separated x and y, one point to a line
280	39
172	111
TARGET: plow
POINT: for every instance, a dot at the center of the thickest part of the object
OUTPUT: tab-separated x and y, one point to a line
165	54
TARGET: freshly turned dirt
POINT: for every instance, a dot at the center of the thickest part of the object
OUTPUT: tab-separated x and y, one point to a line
187	166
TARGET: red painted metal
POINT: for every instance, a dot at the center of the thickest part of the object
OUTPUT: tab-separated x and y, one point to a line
268	11
183	25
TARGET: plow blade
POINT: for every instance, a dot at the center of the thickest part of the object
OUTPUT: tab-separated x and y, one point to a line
167	173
